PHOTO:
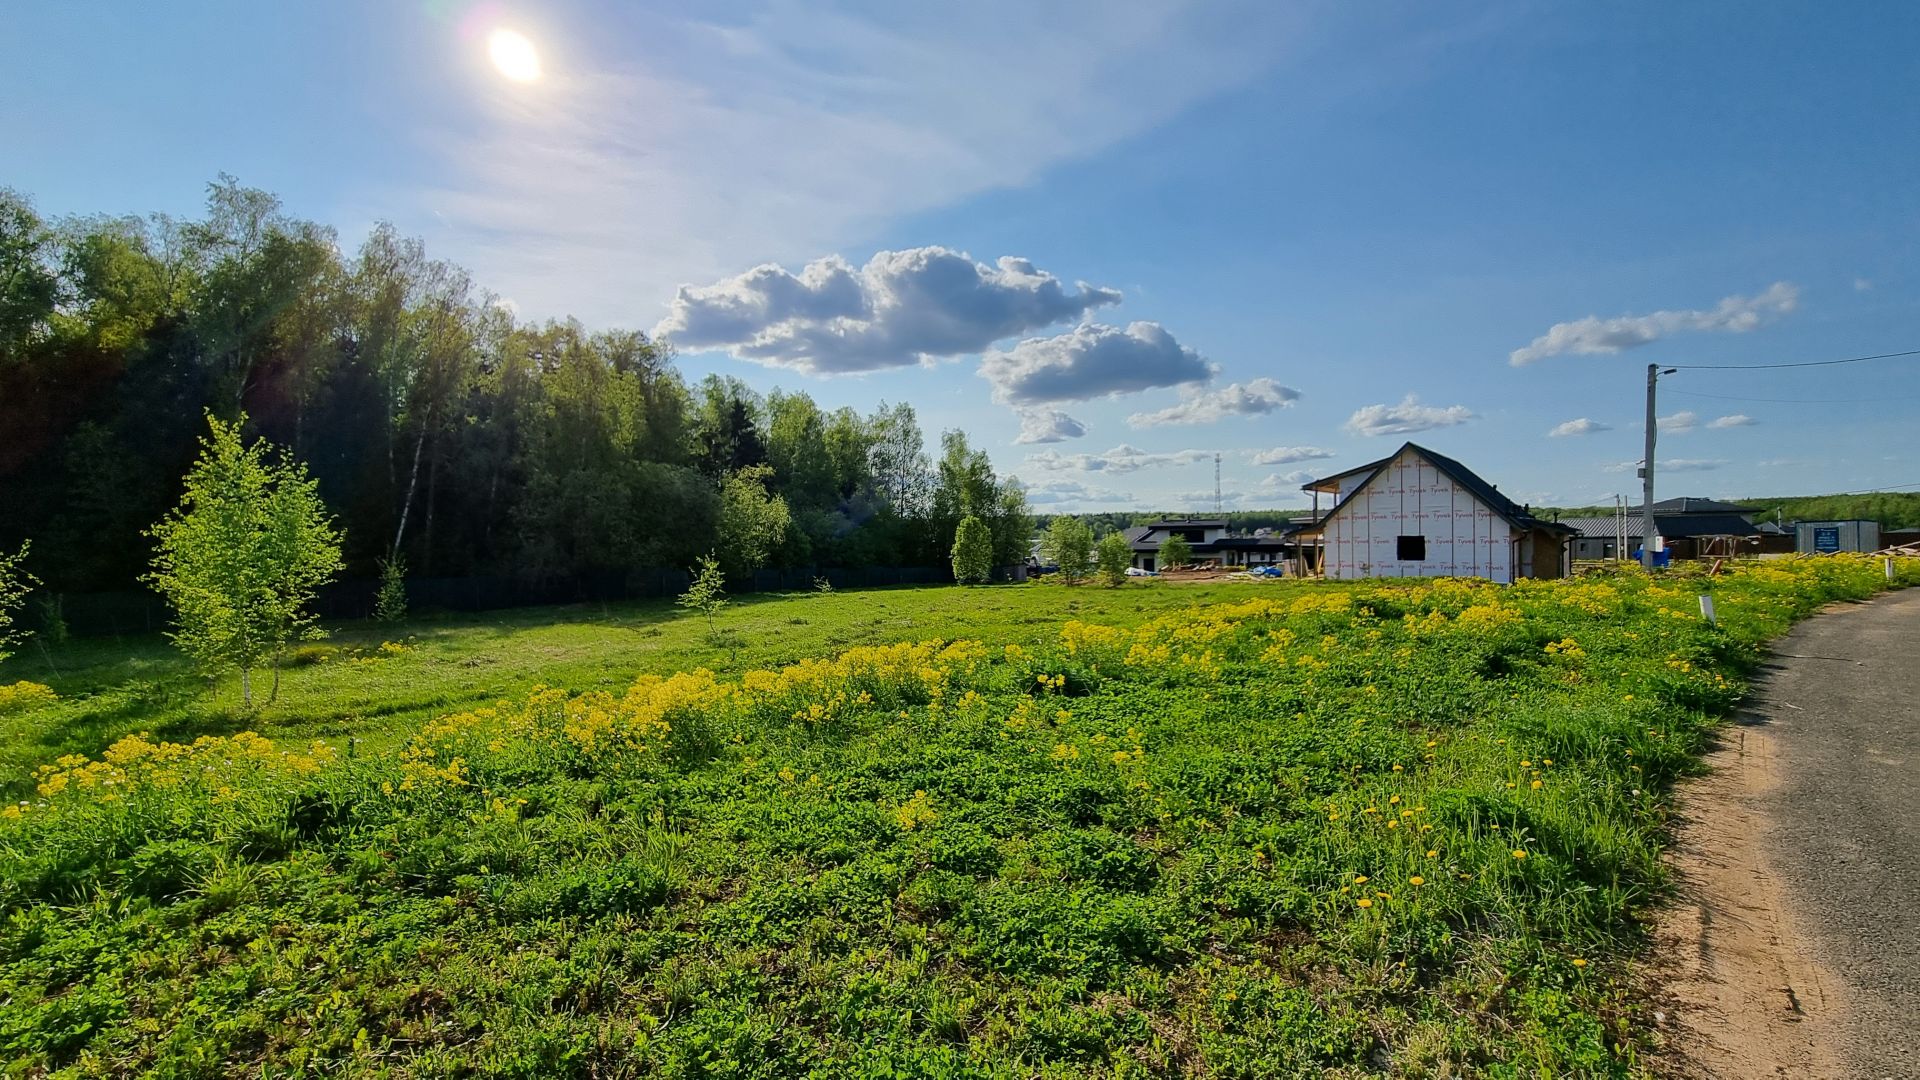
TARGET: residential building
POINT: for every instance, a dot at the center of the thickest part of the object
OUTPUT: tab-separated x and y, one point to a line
1417	513
1211	542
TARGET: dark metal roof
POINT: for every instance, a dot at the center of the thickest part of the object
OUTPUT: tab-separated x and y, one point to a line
1514	513
1188	523
1671	526
1225	543
1675	526
1690	505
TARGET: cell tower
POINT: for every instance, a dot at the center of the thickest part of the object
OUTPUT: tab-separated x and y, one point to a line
1219	504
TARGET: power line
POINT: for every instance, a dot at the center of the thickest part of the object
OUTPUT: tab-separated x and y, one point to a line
1801	363
1792	401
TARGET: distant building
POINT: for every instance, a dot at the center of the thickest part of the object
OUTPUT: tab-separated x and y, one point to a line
1416	513
1827	537
1689	528
1211	543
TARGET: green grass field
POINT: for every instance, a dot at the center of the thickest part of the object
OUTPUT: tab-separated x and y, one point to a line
111	687
1375	829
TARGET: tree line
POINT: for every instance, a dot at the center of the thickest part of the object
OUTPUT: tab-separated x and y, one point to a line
443	433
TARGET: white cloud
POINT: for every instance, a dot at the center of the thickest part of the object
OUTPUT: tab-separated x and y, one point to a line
1405	418
1667	465
1735	420
661	150
1677	423
1058	493
1120	459
1287	455
1581	426
1861	284
1594	335
1286	481
903	307
1256	397
1091	361
1048	426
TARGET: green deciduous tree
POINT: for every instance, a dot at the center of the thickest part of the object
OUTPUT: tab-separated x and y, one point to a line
1069	545
242	555
708	593
15	584
972	551
753	521
1113	556
1175	551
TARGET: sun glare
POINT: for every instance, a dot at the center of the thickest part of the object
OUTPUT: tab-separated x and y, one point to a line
514	55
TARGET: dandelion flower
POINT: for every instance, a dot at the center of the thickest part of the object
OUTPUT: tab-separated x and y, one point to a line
1578	962
1536	785
1396	768
1519	854
1360	879
1363	902
1416	880
1433	853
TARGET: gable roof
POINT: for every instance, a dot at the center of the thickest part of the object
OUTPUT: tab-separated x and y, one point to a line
1330	484
1690	505
1486	493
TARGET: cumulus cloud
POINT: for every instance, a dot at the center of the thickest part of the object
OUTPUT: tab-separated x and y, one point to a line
1120	459
1287	455
1684	420
1735	420
1048	426
1256	397
1405	418
1091	361
1594	335
903	307
1072	491
1286	481
1581	426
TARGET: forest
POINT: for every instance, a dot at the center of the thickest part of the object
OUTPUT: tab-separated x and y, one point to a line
444	432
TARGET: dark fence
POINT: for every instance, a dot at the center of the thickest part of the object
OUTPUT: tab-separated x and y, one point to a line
143	612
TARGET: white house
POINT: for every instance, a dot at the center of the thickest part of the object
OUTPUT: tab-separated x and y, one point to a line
1416	513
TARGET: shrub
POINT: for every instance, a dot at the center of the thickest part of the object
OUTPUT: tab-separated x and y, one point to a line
390	604
15	583
1175	552
1069	545
972	551
1113	557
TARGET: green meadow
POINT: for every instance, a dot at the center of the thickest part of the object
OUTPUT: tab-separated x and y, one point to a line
1375	829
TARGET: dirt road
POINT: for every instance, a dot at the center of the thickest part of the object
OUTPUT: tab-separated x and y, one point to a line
1796	949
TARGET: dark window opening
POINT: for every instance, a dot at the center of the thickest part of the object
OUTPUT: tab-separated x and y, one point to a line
1149	563
1412	549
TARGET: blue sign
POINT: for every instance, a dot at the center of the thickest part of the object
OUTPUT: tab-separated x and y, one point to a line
1826	538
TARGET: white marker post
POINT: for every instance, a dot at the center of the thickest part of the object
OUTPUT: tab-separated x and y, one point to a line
1706	611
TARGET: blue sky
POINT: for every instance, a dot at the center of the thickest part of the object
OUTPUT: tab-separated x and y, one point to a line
1145	233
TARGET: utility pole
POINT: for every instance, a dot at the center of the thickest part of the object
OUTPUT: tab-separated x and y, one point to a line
1219	504
1646	469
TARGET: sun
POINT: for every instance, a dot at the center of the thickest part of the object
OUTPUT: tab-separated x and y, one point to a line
514	55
